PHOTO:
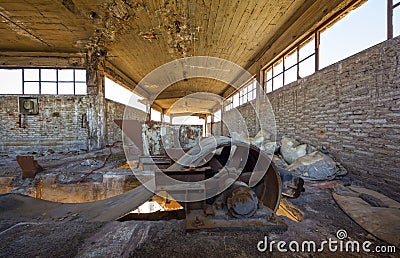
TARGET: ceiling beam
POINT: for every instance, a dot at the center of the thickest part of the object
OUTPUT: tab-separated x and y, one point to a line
11	59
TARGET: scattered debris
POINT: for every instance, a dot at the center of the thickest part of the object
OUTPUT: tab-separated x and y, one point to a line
292	149
261	137
90	162
315	167
292	185
328	184
151	35
375	212
288	209
279	162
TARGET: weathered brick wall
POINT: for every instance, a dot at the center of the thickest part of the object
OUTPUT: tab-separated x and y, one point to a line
237	121
116	111
352	108
58	126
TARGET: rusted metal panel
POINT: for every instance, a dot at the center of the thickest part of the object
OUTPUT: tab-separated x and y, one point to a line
29	166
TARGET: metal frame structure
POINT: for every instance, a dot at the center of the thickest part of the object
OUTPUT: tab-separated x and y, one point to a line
57	81
314	35
39	80
390	9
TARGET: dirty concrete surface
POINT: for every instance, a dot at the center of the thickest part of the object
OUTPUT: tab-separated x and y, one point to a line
24	236
323	218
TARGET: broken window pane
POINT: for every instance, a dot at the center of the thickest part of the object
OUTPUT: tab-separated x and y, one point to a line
268	75
251	95
11	81
65	88
235	100
48	88
31	88
357	31
31	75
48	75
66	75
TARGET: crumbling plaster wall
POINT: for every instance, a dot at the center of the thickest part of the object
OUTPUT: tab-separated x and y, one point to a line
58	126
353	108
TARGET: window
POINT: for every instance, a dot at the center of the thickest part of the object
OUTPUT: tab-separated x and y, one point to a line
358	30
120	94
299	62
247	93
43	81
333	41
396	18
232	102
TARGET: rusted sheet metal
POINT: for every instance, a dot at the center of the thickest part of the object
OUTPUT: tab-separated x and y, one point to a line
268	189
133	130
104	210
29	166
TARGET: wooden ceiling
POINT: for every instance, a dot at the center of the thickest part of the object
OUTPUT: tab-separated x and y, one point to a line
141	35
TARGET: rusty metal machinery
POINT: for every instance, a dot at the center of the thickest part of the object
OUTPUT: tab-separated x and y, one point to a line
244	193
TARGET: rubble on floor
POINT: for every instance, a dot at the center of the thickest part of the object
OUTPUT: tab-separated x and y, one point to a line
312	164
291	150
62	171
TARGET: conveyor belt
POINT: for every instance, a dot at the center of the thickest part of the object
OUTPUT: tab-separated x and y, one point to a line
19	208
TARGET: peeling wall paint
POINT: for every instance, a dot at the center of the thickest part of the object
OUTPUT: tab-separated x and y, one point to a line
158	137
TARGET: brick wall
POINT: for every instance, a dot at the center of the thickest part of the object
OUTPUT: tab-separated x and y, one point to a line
237	121
58	126
352	108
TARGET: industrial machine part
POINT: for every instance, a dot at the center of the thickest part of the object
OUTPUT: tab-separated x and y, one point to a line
231	200
292	185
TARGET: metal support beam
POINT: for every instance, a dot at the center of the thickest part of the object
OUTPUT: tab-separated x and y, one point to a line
389	19
259	98
317	40
222	118
205	125
212	124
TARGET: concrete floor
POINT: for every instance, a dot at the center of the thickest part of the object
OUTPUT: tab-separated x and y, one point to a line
36	238
31	232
